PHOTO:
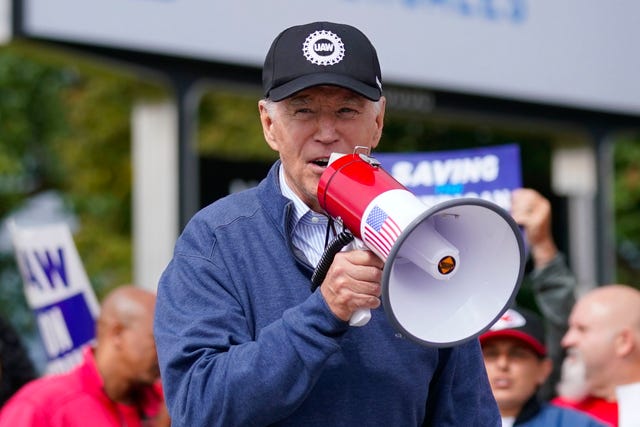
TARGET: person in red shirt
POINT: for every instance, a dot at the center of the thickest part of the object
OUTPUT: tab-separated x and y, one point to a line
601	373
117	383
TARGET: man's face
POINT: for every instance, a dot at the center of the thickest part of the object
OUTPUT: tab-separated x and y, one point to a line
591	337
311	124
515	371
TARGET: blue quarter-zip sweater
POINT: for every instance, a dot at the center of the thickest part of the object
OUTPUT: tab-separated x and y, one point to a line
242	341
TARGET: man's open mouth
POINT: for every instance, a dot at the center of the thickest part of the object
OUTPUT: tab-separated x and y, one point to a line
321	162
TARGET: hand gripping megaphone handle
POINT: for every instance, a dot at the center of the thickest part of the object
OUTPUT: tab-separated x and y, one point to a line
360	317
450	270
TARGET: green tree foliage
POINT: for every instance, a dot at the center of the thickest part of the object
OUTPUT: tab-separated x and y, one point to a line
627	208
65	126
31	114
229	127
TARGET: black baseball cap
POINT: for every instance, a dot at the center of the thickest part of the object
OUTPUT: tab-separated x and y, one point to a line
521	324
321	53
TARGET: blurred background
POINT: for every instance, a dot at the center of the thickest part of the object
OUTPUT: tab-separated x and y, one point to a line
122	118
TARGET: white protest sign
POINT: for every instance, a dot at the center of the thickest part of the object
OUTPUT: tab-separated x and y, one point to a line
57	289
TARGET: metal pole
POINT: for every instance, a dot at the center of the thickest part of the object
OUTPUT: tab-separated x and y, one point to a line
189	168
605	239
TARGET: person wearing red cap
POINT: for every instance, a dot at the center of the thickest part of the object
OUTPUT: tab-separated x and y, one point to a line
601	373
243	339
517	364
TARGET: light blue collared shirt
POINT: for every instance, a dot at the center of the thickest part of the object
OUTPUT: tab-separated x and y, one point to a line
309	227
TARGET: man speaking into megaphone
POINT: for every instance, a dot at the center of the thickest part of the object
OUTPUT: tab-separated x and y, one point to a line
242	337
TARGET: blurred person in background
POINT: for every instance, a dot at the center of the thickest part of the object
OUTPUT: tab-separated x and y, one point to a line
517	363
16	367
549	282
117	384
601	373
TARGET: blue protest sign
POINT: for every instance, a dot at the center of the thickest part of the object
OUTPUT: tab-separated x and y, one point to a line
490	173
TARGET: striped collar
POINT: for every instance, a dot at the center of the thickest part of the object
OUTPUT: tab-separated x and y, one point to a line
308	227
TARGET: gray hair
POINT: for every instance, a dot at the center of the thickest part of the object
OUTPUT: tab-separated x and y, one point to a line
269	105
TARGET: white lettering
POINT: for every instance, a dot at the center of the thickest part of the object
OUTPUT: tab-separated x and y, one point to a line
54	331
323	47
447	172
423	175
442	171
403	172
65	363
490	168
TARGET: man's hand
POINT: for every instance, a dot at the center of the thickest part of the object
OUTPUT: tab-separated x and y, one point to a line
532	211
353	283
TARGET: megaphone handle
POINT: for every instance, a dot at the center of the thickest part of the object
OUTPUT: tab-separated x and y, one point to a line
360	317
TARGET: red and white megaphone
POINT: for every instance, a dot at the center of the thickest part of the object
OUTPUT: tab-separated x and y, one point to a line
450	270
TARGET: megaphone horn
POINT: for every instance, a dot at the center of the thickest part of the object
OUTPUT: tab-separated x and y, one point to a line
450	270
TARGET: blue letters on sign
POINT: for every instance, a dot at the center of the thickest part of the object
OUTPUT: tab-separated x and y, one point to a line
27	271
52	265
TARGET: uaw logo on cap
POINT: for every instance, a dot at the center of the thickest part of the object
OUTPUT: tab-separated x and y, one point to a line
323	48
511	319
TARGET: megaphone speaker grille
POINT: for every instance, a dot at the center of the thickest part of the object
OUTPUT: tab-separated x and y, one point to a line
448	311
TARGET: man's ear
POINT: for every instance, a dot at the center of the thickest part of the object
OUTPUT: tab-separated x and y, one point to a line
379	122
267	125
624	342
116	334
111	331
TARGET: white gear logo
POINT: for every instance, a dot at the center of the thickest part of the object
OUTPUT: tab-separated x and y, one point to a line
332	48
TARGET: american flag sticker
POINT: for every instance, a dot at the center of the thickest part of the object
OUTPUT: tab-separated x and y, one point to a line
380	231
